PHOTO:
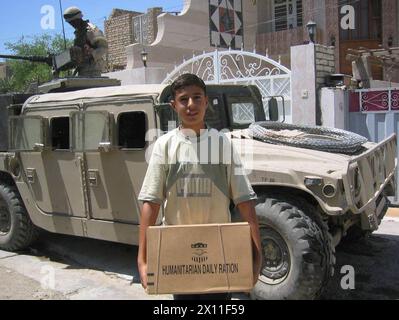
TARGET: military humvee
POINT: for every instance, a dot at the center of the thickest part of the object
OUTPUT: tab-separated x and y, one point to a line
75	163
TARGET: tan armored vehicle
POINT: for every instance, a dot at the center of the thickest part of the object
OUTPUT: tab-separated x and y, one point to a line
75	163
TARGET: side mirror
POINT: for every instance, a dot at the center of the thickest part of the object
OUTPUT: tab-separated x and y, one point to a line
105	147
273	109
274	114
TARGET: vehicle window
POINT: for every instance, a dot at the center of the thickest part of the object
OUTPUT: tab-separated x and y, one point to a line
243	112
26	133
60	133
215	116
132	128
89	129
168	117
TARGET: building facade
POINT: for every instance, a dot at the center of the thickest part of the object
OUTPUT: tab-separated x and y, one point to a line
343	24
123	28
270	27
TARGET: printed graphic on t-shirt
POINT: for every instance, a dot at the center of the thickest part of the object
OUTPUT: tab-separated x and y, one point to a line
194	185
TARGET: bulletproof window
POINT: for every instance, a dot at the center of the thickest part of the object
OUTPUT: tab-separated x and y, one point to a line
89	130
60	133
26	133
243	112
168	117
132	128
215	116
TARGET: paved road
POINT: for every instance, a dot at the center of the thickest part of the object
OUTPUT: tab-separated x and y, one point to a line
375	262
63	267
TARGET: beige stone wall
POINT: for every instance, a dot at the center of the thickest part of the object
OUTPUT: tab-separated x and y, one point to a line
119	33
325	63
145	26
3	71
332	28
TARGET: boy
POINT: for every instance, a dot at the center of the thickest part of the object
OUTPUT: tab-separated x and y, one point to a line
179	158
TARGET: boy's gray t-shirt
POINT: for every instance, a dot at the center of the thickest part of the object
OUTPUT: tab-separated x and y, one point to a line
194	178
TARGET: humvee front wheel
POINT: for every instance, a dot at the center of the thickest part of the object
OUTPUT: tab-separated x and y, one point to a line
16	229
297	251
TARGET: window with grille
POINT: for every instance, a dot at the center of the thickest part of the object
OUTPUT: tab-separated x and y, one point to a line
287	14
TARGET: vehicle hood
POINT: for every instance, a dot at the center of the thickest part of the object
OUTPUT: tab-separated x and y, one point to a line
258	155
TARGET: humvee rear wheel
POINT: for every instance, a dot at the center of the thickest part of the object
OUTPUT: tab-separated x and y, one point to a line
298	253
16	229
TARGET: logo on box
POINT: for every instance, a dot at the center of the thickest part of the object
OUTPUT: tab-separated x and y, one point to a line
199	253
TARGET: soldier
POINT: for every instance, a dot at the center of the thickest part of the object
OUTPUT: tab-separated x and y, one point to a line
90	45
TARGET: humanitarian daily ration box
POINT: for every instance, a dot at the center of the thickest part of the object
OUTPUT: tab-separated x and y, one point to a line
199	258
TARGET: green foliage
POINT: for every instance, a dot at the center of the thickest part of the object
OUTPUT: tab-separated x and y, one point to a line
25	73
6	86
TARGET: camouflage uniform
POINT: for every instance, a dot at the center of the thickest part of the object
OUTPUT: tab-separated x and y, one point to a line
87	35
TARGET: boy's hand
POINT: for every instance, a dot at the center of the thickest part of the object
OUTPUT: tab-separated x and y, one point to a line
143	275
248	214
149	215
257	264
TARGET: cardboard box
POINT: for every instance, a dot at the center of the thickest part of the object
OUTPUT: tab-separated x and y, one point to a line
199	259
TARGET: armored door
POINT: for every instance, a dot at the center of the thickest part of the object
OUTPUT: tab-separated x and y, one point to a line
51	169
116	159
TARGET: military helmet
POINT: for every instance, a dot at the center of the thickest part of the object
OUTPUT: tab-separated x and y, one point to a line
72	13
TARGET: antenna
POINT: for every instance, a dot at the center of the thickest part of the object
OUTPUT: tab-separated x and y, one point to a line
63	26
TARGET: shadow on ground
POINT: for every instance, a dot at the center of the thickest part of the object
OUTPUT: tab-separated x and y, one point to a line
375	262
83	253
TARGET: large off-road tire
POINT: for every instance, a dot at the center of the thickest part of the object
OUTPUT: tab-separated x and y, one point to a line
17	231
298	255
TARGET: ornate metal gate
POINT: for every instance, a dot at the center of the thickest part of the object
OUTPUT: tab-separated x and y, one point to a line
241	67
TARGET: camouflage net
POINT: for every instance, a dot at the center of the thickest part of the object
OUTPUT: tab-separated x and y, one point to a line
309	137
